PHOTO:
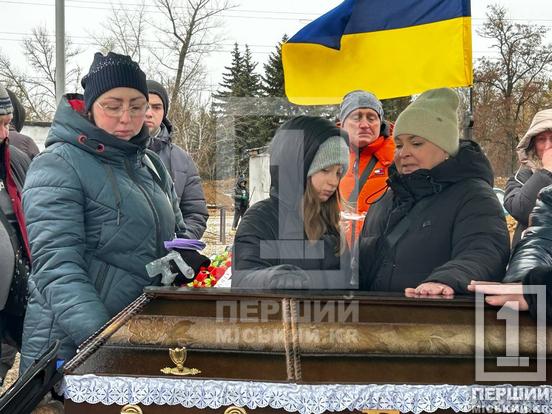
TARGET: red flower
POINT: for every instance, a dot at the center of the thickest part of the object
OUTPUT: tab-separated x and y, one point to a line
201	277
218	272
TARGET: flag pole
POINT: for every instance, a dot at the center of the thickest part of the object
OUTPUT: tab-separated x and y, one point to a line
468	116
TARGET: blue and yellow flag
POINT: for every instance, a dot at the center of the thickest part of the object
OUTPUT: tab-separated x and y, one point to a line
390	47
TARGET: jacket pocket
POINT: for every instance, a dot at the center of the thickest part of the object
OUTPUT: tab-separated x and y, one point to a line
108	233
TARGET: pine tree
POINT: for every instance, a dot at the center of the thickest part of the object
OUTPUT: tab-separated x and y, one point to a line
240	81
394	106
250	81
273	79
231	78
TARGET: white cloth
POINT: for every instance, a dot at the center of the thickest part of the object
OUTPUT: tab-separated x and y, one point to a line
300	398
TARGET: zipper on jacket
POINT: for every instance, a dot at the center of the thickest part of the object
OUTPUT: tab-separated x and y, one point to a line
356	190
100	280
115	188
134	178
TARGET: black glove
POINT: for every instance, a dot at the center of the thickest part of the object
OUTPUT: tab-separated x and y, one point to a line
289	279
194	259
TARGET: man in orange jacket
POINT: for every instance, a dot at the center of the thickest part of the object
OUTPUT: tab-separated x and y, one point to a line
371	153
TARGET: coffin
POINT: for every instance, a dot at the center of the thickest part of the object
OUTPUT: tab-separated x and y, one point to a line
308	352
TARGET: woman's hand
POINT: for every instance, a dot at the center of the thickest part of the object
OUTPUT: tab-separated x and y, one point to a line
289	280
430	289
499	294
547	159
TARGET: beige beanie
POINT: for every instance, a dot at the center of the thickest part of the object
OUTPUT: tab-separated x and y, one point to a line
542	121
432	116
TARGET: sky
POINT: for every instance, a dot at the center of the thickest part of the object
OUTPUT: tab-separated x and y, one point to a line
259	23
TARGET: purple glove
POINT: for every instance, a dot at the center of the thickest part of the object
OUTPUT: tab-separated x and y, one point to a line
184	244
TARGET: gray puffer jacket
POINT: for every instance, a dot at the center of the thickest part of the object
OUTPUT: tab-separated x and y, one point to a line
95	216
186	181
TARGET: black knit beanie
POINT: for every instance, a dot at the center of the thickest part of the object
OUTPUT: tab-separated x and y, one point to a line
158	89
6	107
112	71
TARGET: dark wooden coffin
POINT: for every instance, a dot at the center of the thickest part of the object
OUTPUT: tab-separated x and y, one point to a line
328	351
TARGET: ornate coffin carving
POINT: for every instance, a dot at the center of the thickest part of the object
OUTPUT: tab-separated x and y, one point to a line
264	343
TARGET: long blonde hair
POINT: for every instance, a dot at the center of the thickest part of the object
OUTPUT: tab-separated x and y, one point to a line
320	218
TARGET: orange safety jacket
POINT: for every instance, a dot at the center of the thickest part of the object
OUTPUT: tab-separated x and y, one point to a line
375	185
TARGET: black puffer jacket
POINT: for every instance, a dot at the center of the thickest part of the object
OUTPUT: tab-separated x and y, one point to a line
541	275
521	195
241	195
535	249
458	236
271	237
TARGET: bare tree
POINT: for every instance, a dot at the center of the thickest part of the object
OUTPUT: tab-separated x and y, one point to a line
198	137
187	30
124	31
38	88
17	80
185	33
514	79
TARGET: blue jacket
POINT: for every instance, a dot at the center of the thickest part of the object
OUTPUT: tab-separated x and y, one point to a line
96	215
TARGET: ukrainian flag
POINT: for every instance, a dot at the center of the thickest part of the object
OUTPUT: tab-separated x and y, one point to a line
390	47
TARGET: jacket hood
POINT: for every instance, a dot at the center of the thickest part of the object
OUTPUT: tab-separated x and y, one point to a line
292	151
241	180
160	141
72	126
468	163
542	121
168	126
18	119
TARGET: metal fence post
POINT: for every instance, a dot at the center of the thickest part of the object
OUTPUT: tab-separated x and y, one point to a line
223	225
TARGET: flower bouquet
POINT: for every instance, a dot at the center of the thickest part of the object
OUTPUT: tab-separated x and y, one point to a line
221	265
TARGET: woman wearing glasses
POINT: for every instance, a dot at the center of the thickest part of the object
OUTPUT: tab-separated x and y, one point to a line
98	208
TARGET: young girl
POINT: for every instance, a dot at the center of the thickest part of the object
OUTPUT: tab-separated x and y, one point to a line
292	240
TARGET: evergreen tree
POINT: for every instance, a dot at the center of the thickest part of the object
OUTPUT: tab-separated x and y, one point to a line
394	106
273	87
231	78
273	79
240	81
250	81
279	107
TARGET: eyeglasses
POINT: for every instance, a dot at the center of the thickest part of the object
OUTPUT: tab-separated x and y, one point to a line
114	110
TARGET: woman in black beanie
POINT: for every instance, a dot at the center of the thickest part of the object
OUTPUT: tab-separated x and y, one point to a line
98	207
